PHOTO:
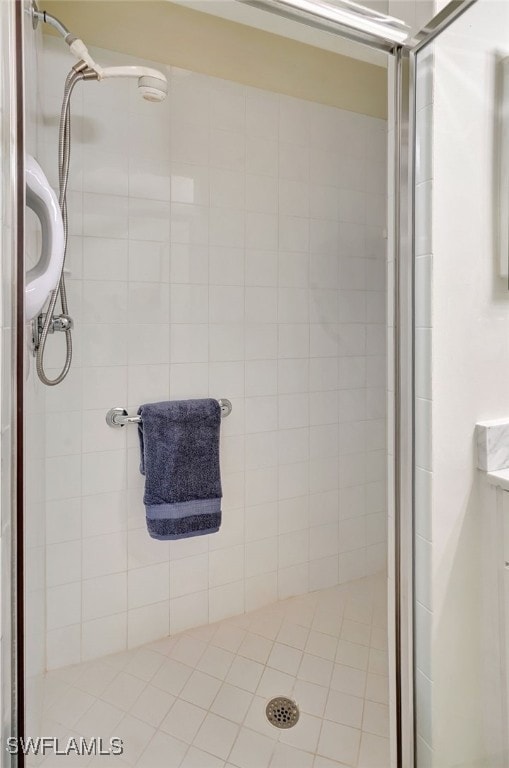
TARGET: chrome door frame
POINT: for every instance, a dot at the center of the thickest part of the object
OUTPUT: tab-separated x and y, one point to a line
12	382
403	404
404	372
17	587
280	8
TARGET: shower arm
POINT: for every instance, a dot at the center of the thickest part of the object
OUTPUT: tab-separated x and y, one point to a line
48	18
77	47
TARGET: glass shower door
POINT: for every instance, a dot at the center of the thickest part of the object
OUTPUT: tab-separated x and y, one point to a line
461	371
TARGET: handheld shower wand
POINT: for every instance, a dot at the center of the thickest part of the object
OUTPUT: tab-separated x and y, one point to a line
153	86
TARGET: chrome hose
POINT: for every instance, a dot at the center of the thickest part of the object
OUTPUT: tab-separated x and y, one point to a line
77	73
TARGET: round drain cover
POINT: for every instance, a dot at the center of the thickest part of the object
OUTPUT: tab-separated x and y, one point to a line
282	712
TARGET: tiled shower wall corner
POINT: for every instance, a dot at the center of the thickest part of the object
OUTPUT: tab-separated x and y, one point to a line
227	243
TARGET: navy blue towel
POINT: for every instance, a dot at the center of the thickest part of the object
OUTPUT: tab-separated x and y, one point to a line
179	446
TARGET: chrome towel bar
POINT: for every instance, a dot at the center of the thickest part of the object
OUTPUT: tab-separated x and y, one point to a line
118	417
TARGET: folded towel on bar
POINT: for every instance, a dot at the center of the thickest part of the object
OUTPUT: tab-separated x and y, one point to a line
179	446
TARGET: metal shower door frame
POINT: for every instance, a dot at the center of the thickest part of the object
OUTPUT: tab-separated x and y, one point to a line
13	391
405	80
404	148
15	544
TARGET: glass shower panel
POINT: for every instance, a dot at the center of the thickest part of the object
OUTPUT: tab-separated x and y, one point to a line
462	364
223	244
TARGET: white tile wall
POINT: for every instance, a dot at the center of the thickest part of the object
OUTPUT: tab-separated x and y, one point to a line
224	244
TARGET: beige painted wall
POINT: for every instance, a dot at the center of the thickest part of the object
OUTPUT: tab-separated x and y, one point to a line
169	33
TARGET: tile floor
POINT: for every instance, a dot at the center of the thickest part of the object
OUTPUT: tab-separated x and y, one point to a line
197	700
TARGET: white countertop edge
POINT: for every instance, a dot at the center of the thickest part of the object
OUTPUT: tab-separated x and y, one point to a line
499	477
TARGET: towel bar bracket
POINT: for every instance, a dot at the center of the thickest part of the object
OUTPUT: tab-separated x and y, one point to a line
226	407
118	417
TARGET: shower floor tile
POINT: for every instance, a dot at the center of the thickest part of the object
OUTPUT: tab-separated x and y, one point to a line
197	700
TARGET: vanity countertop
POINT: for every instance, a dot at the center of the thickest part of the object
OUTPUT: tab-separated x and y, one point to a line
499	477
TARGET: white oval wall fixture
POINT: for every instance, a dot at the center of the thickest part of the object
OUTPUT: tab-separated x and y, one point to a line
44	276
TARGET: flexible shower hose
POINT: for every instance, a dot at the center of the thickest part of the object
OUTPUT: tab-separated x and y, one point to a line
77	73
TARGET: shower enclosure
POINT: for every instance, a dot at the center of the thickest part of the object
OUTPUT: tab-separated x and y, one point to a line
242	243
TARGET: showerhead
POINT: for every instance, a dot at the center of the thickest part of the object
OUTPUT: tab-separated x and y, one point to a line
153	88
152	84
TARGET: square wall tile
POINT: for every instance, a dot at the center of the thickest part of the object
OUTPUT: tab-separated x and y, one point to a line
228	246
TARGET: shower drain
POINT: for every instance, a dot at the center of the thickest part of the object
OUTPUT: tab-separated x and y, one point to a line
282	712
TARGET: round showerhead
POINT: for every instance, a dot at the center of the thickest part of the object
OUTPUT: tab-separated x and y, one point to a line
153	88
152	84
